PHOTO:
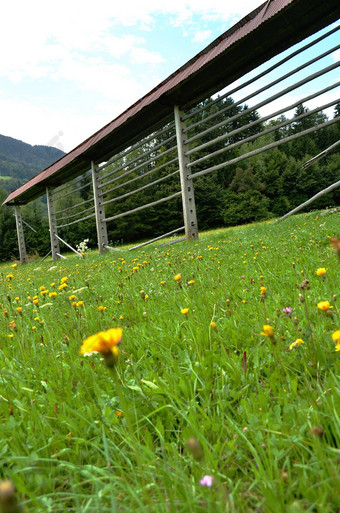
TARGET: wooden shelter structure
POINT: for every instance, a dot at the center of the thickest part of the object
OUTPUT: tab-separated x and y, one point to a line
274	27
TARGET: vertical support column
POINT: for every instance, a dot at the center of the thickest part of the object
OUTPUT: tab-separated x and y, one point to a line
21	238
99	210
187	186
53	224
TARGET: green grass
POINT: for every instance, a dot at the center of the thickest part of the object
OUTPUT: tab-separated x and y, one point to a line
247	402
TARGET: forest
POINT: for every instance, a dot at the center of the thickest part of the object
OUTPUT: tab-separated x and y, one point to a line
261	187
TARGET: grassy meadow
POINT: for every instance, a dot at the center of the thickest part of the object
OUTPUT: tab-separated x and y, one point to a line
225	396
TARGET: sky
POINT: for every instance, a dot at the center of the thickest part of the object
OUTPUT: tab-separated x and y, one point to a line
67	68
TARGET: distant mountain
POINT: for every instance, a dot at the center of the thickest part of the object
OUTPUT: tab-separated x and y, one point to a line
20	161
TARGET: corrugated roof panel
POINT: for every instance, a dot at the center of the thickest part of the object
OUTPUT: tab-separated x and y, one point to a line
198	64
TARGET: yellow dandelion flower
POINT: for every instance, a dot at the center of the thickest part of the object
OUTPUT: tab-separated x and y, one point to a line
267	331
162	282
263	290
191	282
321	271
64	279
178	277
184	311
72	297
213	325
52	294
104	342
35	301
297	343
14	266
324	306
336	336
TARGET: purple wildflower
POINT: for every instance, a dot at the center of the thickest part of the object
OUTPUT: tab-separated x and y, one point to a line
287	311
207	481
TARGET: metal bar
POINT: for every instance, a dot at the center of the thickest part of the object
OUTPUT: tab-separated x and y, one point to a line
267	100
99	210
129	171
50	251
264	148
181	239
74	206
134	147
28	225
76	221
158	238
143	207
20	234
61	256
127	164
264	88
256	136
75	215
68	245
52	223
112	249
140	188
265	118
73	191
187	187
263	73
313	198
139	177
320	155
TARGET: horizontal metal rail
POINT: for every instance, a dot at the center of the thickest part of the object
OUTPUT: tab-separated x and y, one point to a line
182	228
262	89
76	221
140	188
262	74
76	214
75	206
168	198
257	136
69	183
56	197
134	147
309	78
142	156
139	167
226	135
312	161
139	177
264	148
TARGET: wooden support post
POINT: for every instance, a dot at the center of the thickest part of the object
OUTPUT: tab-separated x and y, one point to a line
99	210
21	238
55	248
187	186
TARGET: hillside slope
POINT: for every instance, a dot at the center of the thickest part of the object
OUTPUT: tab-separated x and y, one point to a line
20	161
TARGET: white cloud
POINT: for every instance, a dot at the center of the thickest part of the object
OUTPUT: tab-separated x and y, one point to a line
201	36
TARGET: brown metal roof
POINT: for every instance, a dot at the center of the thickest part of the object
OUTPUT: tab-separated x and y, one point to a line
266	31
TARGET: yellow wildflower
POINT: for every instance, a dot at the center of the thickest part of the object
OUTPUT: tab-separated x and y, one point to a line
297	343
267	331
104	342
321	271
324	306
213	325
72	297
52	294
62	286
178	277
263	290
336	336
14	266
191	282
184	311
64	279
